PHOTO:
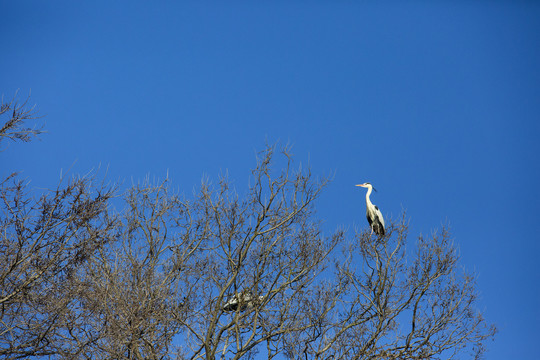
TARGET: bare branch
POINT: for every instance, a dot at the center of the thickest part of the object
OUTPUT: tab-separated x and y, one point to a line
18	113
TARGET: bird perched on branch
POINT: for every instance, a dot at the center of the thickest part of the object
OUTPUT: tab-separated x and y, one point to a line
242	301
373	214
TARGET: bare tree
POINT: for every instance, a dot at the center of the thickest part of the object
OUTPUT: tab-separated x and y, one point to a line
133	296
218	275
384	304
44	243
298	294
44	240
268	243
162	289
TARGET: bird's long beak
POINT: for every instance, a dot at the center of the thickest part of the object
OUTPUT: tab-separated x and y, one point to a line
362	185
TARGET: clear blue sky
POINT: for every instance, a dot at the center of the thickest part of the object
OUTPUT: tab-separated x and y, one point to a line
437	105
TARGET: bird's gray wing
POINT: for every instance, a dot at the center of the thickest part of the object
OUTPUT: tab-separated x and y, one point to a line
379	216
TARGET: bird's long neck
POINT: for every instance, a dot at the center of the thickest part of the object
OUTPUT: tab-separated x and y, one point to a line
367	195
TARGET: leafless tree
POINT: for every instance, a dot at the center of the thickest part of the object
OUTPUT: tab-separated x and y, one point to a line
43	244
159	279
161	290
385	304
133	295
300	294
44	240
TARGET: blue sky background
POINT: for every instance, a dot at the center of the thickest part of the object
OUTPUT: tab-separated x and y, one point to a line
437	105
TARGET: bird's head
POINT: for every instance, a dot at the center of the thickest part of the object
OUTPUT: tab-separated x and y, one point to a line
366	185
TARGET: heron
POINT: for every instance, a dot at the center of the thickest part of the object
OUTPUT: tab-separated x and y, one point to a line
373	214
242	302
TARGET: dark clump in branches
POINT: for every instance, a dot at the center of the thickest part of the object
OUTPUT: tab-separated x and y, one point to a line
221	276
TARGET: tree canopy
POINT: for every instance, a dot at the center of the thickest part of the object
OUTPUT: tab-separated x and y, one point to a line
156	279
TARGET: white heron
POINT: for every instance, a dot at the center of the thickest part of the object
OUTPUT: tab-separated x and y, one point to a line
373	214
243	301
